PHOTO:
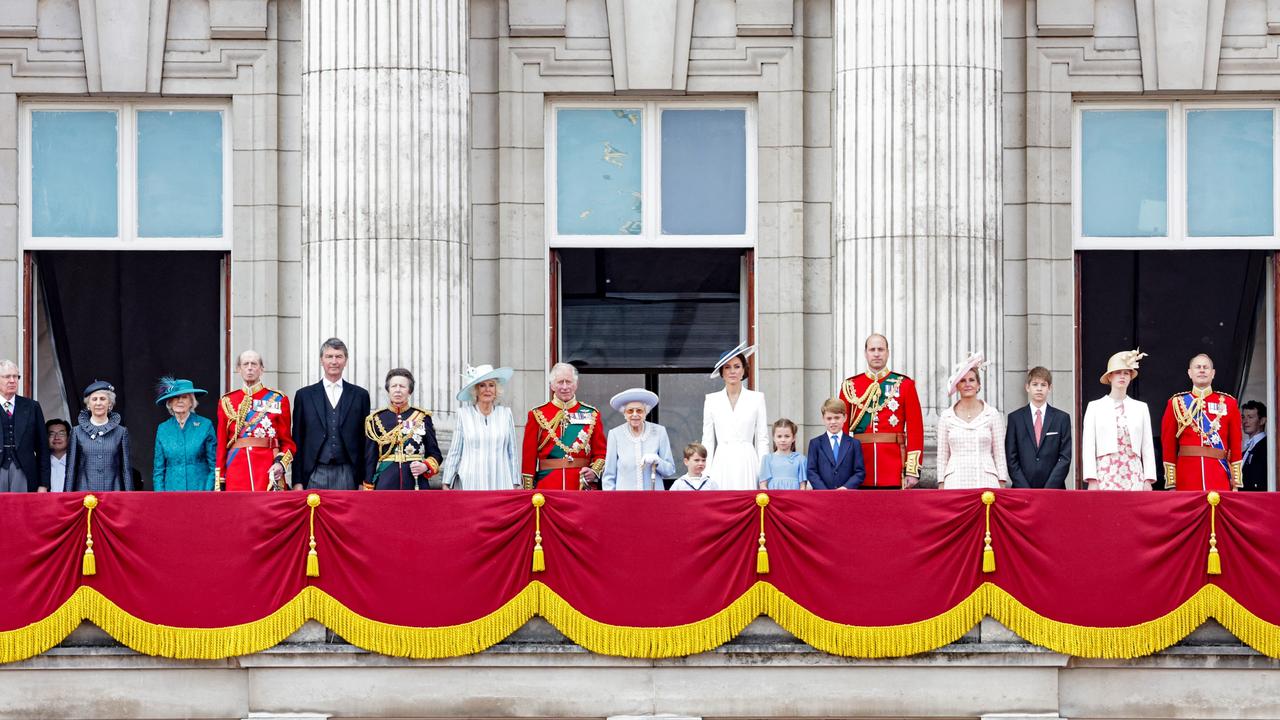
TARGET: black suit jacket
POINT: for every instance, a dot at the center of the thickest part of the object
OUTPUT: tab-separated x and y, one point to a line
827	473
1046	465
1255	468
32	441
311	419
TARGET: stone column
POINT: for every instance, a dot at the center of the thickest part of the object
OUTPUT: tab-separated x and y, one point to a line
917	210
385	249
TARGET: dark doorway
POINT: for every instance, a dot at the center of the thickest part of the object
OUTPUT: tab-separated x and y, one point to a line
1172	305
129	318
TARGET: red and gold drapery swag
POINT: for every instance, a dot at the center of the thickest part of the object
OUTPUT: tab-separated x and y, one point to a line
430	575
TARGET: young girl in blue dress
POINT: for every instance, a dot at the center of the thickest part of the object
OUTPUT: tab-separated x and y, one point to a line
784	468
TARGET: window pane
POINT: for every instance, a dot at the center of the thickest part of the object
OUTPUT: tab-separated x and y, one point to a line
626	309
1123	173
704	172
180	173
680	409
73	174
598	171
1229	173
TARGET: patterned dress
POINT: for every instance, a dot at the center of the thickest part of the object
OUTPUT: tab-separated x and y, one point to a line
1121	470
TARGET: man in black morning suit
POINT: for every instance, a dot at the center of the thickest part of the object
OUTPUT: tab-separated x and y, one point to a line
24	442
1038	441
328	426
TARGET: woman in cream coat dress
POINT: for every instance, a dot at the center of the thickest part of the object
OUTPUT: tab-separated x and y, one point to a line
1116	448
970	434
735	425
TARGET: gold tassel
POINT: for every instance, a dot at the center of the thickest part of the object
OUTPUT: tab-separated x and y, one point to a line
1215	560
988	554
90	565
313	560
762	555
539	562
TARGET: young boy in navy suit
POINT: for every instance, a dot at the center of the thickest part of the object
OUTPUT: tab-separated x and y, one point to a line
835	458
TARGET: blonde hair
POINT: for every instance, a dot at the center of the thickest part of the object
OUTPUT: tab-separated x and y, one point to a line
833	406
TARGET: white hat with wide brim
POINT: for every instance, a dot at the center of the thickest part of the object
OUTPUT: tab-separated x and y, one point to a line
631	395
743	349
473	376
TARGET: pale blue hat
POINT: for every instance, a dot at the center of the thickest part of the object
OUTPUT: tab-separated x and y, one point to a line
630	395
473	376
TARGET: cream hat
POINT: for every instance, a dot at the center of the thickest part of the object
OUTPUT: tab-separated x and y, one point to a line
973	362
1123	360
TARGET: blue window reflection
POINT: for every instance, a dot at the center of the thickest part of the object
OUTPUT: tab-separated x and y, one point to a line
704	172
180	173
74	173
599	171
1229	173
1124	173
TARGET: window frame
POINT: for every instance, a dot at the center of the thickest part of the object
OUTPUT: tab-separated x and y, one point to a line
126	237
1176	237
651	175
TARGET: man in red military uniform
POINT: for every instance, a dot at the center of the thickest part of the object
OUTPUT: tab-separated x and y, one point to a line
883	414
254	445
1200	436
564	444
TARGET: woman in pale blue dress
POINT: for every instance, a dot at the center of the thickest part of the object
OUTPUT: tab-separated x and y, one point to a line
483	454
638	456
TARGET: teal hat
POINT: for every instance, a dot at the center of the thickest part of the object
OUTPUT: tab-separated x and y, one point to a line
173	387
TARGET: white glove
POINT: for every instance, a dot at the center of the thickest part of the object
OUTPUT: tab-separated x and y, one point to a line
650	459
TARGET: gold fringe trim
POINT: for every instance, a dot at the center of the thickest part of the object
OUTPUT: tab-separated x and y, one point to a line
761	598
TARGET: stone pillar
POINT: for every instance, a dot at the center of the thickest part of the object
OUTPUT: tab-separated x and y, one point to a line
385	249
917	209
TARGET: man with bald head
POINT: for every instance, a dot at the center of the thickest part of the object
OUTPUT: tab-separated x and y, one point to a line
884	415
254	444
1200	435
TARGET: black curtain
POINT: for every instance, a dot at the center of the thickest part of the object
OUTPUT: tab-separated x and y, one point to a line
130	318
1172	305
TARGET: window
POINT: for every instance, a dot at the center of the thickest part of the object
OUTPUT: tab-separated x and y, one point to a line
624	325
650	174
1175	175
126	176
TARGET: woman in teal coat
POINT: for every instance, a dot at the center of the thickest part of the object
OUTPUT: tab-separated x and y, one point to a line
186	444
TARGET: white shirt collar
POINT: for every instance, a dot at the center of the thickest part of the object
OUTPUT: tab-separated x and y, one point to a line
13	399
1037	408
328	384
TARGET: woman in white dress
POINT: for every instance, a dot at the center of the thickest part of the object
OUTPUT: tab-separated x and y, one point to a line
1117	451
483	454
970	434
735	425
639	452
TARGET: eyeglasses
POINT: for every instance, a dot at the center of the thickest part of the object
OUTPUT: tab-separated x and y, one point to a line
57	433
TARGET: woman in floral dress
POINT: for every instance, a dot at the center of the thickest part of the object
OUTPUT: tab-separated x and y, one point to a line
402	451
1116	450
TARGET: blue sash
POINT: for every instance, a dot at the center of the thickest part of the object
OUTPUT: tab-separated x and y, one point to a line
1205	428
251	420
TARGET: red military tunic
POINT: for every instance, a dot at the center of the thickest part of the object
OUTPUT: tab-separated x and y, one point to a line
883	413
559	440
1202	441
253	433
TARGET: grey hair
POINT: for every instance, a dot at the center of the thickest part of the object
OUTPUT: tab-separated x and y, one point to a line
240	358
334	343
6	363
551	376
168	404
111	398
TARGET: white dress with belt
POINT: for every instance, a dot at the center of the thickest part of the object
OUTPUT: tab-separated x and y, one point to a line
736	437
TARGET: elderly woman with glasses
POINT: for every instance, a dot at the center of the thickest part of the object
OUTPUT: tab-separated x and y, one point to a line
186	443
98	460
639	452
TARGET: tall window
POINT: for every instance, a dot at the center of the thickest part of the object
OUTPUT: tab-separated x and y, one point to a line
126	175
1175	175
651	222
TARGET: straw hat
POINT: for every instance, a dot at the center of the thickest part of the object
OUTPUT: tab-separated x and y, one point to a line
1123	360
